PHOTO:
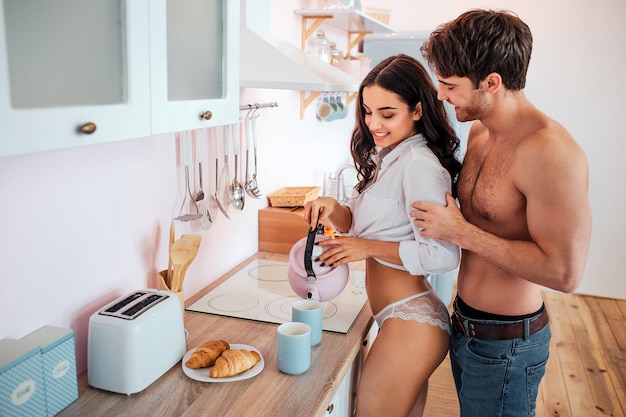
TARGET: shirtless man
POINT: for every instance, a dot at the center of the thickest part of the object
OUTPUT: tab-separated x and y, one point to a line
524	220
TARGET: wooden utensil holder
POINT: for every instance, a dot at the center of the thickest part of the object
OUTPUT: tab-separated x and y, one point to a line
161	285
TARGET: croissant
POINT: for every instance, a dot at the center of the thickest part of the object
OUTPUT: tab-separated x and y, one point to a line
233	362
206	354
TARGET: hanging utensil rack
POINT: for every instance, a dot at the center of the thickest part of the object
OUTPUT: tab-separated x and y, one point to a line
257	106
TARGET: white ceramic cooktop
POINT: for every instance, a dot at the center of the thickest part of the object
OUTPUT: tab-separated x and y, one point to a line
261	291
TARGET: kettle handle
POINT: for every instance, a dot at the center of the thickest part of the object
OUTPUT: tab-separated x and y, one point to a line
308	251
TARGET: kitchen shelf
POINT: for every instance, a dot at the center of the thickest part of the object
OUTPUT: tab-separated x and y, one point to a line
355	22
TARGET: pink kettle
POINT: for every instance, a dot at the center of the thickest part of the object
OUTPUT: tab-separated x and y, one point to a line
310	280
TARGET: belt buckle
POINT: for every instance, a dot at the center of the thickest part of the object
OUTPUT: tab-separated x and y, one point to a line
458	324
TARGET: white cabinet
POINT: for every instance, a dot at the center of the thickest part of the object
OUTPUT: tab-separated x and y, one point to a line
194	62
341	404
72	73
75	72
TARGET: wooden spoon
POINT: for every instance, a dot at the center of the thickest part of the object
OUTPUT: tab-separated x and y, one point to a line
182	253
196	240
168	280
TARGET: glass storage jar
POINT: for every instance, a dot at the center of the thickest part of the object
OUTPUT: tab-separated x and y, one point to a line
336	55
319	46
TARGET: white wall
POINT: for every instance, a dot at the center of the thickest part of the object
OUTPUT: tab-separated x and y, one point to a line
83	226
576	77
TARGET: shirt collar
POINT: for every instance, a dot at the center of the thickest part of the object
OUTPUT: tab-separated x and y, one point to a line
388	155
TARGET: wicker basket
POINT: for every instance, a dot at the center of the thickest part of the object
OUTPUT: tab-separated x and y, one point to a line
293	196
382	15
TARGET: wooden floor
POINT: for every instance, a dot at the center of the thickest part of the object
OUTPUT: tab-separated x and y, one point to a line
586	372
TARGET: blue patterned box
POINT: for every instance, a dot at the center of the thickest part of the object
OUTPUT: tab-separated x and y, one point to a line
22	392
59	365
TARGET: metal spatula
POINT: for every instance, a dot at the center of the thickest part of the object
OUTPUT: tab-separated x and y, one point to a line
205	220
187	156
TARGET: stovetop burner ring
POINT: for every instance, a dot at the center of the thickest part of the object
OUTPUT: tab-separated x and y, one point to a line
233	303
269	273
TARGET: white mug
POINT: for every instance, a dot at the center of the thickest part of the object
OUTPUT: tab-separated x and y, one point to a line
326	111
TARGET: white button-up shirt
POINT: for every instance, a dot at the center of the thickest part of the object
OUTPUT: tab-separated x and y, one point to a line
410	172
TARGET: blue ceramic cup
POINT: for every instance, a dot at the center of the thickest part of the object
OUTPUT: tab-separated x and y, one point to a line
342	109
294	348
311	313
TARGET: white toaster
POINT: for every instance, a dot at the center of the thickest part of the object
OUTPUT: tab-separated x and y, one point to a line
134	340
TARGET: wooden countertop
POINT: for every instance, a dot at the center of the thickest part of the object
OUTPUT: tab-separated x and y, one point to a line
271	393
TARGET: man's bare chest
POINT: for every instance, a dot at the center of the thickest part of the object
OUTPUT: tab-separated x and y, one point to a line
486	187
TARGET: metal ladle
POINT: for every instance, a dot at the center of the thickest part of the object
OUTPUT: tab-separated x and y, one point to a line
246	125
237	195
251	185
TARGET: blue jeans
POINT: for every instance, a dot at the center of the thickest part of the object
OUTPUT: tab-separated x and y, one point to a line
498	378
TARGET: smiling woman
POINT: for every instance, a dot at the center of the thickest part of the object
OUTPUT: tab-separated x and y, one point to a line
387	117
403	147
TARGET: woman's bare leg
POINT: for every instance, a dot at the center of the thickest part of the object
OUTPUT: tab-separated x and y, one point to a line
395	374
420	404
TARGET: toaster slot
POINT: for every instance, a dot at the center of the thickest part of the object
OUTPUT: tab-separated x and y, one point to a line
133	305
143	305
118	306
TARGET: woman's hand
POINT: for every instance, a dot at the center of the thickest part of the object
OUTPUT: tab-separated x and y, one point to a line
343	249
319	211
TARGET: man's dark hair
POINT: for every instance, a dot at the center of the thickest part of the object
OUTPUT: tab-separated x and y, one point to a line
480	42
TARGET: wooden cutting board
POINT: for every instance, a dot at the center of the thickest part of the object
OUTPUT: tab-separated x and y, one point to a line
280	228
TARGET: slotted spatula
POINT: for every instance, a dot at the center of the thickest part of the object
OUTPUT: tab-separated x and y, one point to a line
205	220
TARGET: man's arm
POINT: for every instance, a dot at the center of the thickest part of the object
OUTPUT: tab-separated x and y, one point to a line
552	174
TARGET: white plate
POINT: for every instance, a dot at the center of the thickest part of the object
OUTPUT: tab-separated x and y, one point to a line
202	374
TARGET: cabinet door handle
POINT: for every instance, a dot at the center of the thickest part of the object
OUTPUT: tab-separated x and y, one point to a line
87	128
206	115
330	408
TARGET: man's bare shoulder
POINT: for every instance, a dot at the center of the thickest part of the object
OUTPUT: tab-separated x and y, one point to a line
550	156
550	141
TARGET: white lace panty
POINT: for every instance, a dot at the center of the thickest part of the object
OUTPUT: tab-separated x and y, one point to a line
425	307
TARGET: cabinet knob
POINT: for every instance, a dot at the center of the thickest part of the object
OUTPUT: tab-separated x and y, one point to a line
87	128
330	408
206	115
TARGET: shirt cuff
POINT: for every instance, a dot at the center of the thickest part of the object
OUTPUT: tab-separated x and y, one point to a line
425	259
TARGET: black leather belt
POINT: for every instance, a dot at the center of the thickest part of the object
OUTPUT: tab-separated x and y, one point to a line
500	331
